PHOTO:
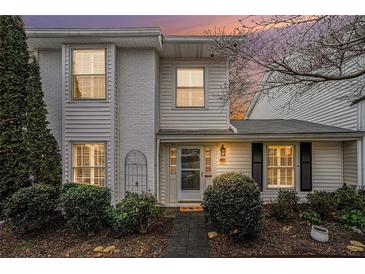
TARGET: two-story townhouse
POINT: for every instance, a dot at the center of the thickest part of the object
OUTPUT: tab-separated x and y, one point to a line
135	110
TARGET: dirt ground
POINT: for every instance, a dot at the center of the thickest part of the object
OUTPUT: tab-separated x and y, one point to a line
62	242
288	240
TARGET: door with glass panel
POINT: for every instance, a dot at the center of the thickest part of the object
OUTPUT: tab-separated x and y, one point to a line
190	176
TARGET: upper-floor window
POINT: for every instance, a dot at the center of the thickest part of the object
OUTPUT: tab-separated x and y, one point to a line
88	73
190	87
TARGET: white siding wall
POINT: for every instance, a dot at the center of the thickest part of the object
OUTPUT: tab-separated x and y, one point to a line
50	62
90	121
319	105
350	162
327	164
213	116
136	109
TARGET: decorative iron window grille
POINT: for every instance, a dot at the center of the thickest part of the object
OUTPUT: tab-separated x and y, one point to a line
136	172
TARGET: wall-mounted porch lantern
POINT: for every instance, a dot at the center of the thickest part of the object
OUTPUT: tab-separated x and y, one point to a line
223	153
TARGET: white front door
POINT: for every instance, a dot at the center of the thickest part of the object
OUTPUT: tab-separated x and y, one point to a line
191	184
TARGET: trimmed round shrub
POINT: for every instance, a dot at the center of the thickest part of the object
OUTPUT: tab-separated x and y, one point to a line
32	208
323	203
84	206
233	205
134	214
349	198
286	206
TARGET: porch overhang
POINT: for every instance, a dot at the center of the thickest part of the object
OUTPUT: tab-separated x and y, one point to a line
264	130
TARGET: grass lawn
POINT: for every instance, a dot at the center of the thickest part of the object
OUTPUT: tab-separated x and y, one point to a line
62	242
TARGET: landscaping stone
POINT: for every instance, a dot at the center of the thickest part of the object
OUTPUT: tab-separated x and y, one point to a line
356	230
357	243
212	234
286	228
355	248
99	249
108	249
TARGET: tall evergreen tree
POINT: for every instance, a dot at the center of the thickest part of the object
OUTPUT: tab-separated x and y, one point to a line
14	69
42	150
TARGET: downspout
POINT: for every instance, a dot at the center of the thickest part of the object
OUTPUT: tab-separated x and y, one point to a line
158	171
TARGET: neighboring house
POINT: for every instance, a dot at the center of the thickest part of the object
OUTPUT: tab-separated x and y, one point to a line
134	110
324	104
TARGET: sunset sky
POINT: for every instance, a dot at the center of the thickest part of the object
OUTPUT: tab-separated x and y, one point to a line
169	24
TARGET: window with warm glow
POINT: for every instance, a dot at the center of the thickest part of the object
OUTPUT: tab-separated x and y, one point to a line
88	164
88	73
280	167
172	160
208	161
190	87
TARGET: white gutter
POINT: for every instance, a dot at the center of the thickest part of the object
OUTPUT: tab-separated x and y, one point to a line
101	32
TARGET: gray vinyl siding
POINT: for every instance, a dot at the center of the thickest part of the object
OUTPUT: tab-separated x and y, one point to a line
350	162
213	116
136	109
319	105
50	62
327	167
90	121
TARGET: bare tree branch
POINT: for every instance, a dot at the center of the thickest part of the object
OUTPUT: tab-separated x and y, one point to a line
296	52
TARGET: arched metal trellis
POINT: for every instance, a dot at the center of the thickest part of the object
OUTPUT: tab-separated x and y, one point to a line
135	172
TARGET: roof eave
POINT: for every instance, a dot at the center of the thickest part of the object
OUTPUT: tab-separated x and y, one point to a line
88	32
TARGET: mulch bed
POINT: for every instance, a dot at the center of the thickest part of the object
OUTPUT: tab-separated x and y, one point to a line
62	242
288	240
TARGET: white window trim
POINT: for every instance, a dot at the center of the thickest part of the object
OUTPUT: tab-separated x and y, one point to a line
69	68
206	87
71	154
296	157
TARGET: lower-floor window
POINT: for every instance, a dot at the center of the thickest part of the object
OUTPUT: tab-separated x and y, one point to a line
88	164
280	166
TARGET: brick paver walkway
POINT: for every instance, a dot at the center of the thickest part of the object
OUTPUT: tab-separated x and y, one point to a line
188	237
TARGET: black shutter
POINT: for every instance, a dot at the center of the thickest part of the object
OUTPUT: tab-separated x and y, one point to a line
257	168
306	166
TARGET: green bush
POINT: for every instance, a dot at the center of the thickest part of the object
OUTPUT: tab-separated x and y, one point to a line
362	192
286	206
354	218
233	205
311	216
323	203
349	198
133	214
84	206
32	208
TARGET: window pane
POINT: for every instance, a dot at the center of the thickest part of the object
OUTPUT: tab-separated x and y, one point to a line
280	172
172	160
89	164
190	97
190	158
190	180
88	73
190	77
89	86
88	61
